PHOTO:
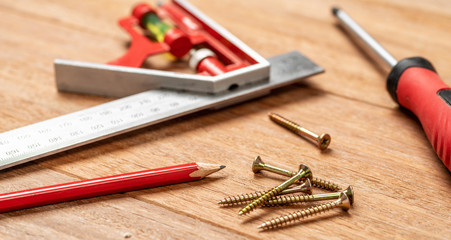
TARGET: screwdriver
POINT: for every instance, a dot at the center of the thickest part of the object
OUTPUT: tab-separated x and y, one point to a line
414	84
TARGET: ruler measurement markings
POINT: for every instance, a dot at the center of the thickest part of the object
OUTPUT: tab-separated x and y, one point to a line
66	122
91	121
91	115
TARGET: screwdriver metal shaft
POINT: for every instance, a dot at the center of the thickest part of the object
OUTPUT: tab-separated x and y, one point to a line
354	28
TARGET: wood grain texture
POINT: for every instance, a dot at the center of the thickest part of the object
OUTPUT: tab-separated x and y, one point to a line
402	189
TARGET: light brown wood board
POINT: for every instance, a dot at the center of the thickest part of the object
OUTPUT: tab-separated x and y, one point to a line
402	189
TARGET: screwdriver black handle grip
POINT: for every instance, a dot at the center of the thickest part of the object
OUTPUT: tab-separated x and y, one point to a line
415	85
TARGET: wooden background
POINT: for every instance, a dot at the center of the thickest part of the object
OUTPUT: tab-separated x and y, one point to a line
402	189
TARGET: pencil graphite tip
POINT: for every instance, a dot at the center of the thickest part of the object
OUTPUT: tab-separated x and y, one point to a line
205	169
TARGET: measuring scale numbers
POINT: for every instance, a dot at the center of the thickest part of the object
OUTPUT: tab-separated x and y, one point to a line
104	120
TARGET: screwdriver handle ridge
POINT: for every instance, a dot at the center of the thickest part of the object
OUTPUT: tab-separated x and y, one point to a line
414	84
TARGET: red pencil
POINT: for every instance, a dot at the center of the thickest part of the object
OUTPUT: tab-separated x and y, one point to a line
106	185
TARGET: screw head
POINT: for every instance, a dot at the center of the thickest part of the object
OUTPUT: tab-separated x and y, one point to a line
257	165
308	186
323	141
345	202
306	172
305	187
350	194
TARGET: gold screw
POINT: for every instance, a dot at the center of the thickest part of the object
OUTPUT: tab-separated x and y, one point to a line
259	165
322	140
304	172
305	187
342	202
282	200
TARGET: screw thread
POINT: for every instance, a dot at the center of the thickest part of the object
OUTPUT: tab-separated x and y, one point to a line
243	198
289	218
292	126
325	184
261	200
246	197
283	200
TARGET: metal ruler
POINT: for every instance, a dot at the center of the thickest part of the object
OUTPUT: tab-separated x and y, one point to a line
140	110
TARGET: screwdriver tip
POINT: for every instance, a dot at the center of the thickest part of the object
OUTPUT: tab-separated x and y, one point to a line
335	10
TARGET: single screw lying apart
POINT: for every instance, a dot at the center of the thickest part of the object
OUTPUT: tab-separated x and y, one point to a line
322	140
342	202
305	187
304	172
283	200
259	165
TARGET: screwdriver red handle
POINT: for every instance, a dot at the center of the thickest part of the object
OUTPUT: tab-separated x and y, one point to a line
415	85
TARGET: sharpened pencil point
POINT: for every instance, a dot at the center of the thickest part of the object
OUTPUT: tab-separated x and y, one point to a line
206	169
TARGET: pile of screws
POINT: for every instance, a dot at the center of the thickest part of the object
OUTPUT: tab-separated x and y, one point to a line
277	195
